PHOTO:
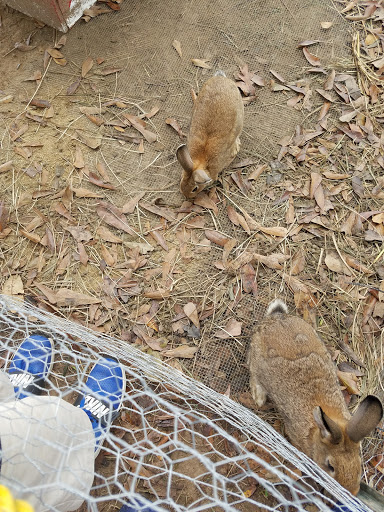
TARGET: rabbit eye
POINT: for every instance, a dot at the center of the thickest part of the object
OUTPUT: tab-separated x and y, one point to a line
330	467
195	189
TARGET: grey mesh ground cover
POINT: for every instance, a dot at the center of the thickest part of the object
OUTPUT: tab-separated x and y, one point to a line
138	41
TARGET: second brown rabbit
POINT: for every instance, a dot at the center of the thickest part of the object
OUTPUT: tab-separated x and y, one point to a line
290	364
214	135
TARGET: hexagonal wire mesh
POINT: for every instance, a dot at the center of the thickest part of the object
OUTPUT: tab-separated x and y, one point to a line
177	443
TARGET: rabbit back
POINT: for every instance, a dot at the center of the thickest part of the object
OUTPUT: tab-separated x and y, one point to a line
216	124
296	370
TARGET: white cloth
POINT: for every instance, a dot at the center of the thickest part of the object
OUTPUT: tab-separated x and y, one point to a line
47	450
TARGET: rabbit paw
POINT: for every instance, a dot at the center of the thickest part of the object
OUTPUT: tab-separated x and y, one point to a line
259	394
236	147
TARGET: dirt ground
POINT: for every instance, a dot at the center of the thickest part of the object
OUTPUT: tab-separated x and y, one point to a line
93	226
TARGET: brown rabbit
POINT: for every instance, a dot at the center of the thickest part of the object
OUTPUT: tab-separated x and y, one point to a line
214	135
291	365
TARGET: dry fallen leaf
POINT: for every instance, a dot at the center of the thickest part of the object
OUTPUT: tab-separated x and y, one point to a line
228	246
7	166
184	351
334	263
298	262
95	120
107	235
357	265
13	286
349	380
348	116
216	237
23	151
275	260
326	24
114	217
358	186
84	192
352	225
232	215
158	210
107	256
241	182
130	206
54	53
312	59
277	75
65	297
316	191
61	42
159	294
4	216
191	311
159	238
139	125
371	235
246	81
79	158
274	231
296	285
308	42
206	202
96	180
86	66
73	87
31	236
177	46
201	63
110	70
171	121
83	256
248	279
79	233
232	329
335	176
91	142
257	171
367	13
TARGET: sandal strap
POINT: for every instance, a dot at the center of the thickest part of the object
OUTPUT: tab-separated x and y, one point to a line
27	382
99	409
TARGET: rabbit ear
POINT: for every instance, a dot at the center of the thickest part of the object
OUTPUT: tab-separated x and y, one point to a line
184	158
365	419
329	430
201	176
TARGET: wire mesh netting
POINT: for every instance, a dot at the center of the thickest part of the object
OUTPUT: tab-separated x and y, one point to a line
177	443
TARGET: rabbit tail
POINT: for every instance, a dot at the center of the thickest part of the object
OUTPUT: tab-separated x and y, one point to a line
277	307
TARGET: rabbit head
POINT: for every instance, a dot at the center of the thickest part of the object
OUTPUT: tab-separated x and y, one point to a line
193	180
336	443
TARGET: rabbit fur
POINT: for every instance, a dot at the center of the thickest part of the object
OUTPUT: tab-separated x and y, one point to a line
214	135
290	364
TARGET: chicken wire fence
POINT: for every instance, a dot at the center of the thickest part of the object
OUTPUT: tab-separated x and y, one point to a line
177	443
